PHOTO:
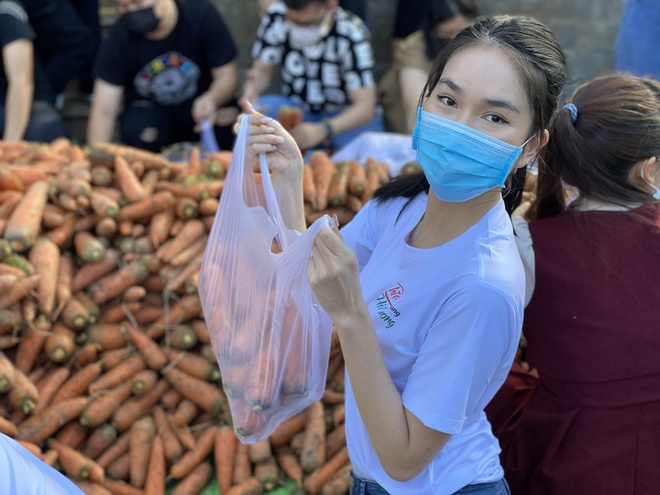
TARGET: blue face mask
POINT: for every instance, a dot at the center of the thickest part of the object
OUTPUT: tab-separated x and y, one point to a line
459	162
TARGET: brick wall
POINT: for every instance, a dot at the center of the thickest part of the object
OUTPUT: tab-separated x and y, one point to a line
586	29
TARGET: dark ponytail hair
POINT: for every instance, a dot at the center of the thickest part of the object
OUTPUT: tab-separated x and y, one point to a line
536	54
617	125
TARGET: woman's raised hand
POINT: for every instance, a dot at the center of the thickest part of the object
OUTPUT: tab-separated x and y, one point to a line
268	136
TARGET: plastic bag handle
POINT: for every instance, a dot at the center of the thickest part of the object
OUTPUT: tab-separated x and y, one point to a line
272	202
209	144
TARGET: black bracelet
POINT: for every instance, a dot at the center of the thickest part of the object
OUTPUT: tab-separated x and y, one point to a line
328	129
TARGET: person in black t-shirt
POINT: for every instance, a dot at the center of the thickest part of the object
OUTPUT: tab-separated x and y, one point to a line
326	65
24	112
173	63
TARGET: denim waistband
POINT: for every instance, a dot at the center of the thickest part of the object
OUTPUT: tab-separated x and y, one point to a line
360	486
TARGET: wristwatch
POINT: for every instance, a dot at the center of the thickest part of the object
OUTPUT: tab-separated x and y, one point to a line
328	129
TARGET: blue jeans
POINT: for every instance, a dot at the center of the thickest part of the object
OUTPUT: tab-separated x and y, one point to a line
364	487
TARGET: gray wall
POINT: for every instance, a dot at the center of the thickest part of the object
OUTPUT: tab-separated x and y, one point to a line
586	29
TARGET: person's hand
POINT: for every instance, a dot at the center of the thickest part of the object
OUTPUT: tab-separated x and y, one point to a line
308	135
333	275
203	108
267	136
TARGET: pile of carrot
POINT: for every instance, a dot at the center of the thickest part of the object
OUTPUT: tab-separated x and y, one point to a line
106	366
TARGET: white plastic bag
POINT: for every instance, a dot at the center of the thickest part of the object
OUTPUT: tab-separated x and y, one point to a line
270	336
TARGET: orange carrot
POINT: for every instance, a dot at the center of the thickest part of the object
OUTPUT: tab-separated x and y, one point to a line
24	394
8	180
101	176
91	308
48	386
249	486
77	384
224	452
170	400
208	206
198	191
115	450
7	373
119	313
64	279
267	472
338	189
182	337
152	353
242	464
357	181
101	408
101	438
323	170
191	231
205	395
103	205
7	427
195	481
335	440
128	182
74	314
313	451
21	289
134	293
118	374
149	181
195	365
90	272
45	423
75	464
114	284
120	468
144	381
185	413
155	480
373	179
108	336
193	250
118	487
31	447
289	463
191	459
60	344
106	227
7	205
309	188
260	451
24	223
85	355
353	203
144	209
185	309
143	432
320	476
159	227
136	407
339	483
186	208
172	448
88	248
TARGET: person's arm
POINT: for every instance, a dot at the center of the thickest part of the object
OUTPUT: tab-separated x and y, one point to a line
222	89
257	80
361	111
404	445
411	81
17	58
103	113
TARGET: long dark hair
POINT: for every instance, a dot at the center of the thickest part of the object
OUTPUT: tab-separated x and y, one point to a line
617	125
536	54
441	11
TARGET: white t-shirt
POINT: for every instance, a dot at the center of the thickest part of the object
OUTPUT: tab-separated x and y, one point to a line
22	473
448	320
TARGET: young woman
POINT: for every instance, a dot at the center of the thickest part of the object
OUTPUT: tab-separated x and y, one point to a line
589	424
426	287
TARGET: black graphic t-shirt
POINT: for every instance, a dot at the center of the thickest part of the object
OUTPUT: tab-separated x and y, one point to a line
14	26
320	77
171	71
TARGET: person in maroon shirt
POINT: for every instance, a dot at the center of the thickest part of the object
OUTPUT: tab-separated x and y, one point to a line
590	422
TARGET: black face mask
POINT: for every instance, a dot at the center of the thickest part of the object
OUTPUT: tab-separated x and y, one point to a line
141	21
436	45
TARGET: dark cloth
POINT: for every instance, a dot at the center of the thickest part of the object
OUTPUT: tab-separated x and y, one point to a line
318	78
409	16
65	43
14	25
173	124
168	73
357	7
45	123
591	424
